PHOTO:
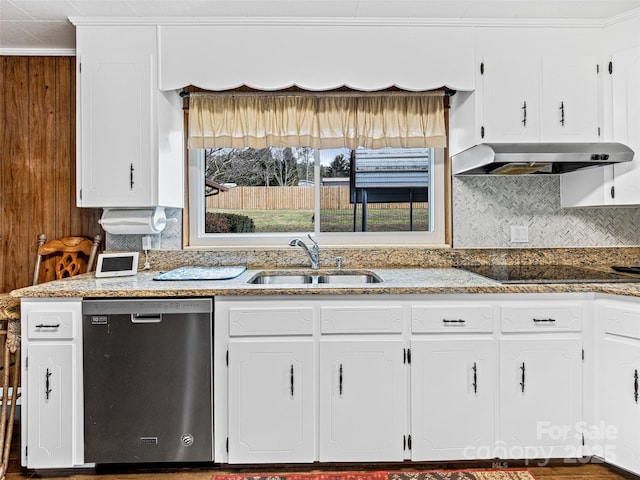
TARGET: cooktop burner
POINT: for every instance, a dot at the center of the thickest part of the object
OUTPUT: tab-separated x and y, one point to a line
549	274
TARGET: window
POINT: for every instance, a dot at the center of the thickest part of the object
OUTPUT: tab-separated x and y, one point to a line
349	167
246	196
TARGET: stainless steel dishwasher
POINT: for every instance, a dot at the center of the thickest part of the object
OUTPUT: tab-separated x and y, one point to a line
147	380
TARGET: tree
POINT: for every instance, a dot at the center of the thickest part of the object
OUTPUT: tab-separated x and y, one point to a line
254	167
340	166
244	167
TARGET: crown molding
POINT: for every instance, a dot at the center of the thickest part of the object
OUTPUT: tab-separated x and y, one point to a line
630	15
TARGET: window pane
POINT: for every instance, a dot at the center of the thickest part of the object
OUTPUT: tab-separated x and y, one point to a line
259	190
383	190
273	190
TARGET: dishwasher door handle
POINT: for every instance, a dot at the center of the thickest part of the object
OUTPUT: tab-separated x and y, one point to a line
142	318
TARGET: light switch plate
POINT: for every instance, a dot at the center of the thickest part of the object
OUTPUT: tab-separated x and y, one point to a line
519	234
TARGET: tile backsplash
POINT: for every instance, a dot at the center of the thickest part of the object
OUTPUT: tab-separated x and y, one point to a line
485	208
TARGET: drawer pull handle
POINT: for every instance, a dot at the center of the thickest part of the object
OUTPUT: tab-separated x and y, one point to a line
48	325
635	385
47	384
291	380
459	321
475	377
340	375
142	318
544	320
523	377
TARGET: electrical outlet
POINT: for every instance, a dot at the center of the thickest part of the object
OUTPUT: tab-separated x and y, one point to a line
519	234
146	242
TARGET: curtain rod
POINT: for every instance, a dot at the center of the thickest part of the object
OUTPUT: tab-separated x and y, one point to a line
430	93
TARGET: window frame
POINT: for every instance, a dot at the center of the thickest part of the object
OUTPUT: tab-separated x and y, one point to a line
198	238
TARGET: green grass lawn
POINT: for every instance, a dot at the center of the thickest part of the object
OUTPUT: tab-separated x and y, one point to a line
278	220
378	220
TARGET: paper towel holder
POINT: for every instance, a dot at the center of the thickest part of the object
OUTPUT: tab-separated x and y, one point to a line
135	221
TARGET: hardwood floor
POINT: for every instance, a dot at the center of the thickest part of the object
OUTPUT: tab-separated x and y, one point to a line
557	471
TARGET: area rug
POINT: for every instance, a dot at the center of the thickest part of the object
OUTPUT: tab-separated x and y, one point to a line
426	475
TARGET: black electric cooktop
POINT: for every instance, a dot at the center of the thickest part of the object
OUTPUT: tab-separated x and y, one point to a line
552	274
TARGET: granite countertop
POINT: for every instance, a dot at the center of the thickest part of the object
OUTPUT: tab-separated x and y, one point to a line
394	281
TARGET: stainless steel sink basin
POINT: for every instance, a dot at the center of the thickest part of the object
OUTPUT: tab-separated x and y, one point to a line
349	278
337	277
285	278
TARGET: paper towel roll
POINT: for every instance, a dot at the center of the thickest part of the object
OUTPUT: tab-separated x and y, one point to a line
128	221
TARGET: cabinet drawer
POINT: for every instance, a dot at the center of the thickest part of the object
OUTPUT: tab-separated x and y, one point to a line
270	321
622	320
566	317
54	325
451	319
355	319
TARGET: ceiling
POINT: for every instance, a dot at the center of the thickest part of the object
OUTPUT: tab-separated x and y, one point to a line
44	25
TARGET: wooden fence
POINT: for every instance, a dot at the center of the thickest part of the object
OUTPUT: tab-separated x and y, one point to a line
290	198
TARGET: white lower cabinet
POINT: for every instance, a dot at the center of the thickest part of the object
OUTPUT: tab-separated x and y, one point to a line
540	397
49	431
362	397
272	401
453	390
620	374
427	379
52	426
621	402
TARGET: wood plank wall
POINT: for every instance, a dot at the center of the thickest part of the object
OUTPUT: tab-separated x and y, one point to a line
37	163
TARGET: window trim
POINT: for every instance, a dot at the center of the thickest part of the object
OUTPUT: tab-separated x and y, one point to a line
198	238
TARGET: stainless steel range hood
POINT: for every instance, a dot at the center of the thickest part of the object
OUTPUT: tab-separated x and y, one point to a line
537	158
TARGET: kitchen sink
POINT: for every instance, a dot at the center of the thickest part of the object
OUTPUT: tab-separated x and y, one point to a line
284	278
338	277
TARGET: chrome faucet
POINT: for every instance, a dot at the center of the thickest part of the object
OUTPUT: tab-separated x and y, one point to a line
313	254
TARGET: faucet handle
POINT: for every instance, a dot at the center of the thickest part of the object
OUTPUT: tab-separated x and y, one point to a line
315	244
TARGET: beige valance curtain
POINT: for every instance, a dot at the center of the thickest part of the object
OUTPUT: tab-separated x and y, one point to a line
318	121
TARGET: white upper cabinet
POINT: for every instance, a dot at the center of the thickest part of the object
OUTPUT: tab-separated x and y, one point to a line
569	110
619	184
539	98
510	99
625	107
130	138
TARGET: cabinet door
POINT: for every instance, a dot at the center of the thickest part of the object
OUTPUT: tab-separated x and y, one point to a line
115	135
271	402
452	383
49	406
540	398
569	99
621	402
362	395
511	99
617	184
625	88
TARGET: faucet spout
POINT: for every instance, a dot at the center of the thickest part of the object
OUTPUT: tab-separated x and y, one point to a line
313	253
